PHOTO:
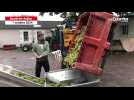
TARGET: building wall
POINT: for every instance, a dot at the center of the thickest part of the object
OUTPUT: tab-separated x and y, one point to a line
9	37
14	36
131	26
117	32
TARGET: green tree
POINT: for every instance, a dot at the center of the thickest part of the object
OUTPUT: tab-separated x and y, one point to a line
76	14
69	15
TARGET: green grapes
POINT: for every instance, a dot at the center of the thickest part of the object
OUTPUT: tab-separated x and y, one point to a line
71	57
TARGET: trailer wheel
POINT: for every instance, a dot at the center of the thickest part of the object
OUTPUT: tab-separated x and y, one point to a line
25	48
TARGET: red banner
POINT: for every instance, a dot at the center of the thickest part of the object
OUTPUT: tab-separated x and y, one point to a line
20	18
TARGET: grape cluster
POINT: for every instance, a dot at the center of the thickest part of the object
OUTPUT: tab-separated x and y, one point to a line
71	57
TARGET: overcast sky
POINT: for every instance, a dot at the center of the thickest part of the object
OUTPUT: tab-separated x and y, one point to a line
46	16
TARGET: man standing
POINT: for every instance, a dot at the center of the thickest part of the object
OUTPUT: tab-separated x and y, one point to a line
41	50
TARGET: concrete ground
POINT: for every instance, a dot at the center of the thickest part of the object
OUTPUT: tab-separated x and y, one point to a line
118	71
24	61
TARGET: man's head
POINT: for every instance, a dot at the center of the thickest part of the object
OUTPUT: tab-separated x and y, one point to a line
40	36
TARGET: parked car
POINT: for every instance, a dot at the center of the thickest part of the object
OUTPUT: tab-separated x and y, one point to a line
26	47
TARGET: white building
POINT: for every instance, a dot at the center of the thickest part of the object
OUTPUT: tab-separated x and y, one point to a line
18	34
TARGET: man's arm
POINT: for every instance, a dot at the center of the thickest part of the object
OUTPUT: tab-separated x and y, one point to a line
34	52
36	55
46	52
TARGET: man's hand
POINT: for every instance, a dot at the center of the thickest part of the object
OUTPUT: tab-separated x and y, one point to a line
38	56
45	54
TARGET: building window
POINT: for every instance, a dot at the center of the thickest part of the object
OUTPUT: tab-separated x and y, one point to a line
26	38
125	28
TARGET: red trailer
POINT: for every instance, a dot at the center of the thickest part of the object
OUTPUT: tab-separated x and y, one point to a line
95	40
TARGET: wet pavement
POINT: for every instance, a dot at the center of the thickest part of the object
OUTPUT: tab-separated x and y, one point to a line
24	61
118	71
